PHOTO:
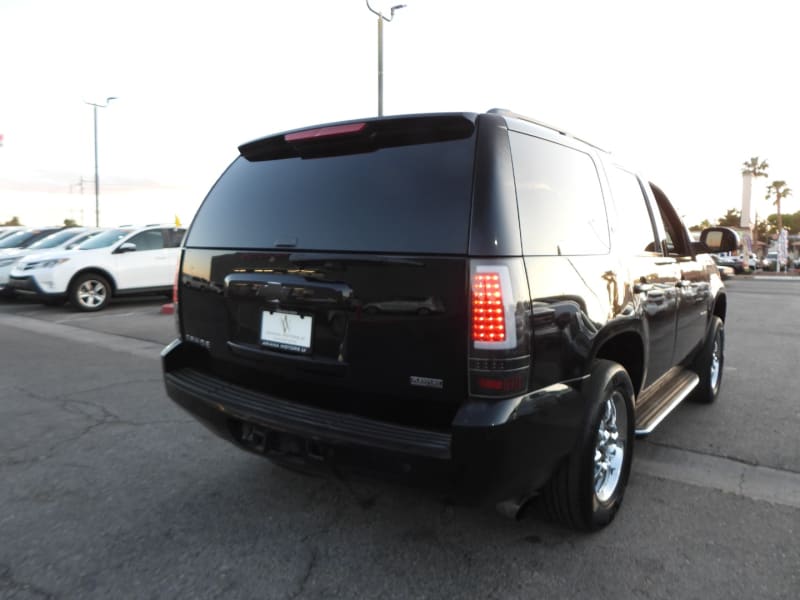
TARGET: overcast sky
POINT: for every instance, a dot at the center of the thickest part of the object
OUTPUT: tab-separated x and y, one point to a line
684	90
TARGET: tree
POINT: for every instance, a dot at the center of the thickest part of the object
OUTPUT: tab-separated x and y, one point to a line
750	169
13	221
780	190
790	222
704	224
70	223
755	168
731	218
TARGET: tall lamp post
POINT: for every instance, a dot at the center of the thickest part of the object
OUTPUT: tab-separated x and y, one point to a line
381	19
96	176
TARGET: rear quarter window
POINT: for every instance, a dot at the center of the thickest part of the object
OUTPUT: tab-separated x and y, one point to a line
560	199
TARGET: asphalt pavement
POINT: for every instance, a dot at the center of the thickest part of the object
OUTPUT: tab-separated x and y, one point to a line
109	490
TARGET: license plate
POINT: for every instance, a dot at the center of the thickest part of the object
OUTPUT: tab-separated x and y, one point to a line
286	331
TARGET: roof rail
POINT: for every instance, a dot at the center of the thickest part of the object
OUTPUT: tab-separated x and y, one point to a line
510	113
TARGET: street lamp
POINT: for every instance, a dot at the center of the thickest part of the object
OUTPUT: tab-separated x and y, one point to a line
381	19
96	176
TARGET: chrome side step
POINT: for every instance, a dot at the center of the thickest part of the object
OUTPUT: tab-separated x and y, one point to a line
658	400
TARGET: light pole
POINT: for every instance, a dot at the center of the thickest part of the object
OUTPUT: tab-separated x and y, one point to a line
96	175
381	19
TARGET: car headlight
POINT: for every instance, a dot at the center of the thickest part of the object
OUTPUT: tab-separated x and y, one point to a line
5	262
46	264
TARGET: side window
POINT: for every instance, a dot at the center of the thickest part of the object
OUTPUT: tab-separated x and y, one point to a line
560	200
635	232
676	241
148	240
173	237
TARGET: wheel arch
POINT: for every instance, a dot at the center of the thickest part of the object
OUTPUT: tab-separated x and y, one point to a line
720	307
626	348
98	271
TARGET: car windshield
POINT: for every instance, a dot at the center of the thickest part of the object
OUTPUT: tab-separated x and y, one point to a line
54	239
105	239
16	239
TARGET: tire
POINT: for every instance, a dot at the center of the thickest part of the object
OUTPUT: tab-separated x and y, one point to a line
587	488
89	292
709	364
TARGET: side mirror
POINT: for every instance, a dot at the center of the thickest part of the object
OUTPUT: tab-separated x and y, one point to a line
720	239
126	247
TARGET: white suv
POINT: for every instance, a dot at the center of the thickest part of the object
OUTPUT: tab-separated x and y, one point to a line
116	262
63	239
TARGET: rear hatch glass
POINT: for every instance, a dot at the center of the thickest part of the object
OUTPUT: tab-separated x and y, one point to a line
394	186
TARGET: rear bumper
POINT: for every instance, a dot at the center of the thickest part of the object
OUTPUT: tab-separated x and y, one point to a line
494	450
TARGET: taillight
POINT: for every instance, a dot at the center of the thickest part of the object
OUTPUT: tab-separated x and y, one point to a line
498	367
492	308
488	318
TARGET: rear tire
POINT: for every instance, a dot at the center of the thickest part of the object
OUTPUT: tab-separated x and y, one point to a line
89	292
587	489
709	363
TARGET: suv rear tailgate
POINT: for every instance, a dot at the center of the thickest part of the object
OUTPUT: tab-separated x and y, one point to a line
367	334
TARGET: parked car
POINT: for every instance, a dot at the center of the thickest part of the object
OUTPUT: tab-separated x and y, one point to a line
22	238
572	309
66	239
725	271
6	230
770	261
122	261
736	261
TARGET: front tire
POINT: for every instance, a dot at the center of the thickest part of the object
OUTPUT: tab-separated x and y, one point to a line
709	363
90	292
587	489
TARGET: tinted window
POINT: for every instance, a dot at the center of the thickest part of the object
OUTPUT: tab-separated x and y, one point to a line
635	233
54	239
412	198
173	237
676	241
105	239
148	240
16	239
560	200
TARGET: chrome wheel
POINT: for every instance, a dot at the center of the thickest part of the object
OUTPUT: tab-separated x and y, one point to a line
92	294
609	450
716	364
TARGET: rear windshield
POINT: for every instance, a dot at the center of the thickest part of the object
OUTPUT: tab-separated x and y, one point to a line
401	199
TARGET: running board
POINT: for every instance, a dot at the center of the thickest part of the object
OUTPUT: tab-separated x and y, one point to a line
657	401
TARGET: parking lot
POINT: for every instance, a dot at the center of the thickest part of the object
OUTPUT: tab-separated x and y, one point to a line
109	490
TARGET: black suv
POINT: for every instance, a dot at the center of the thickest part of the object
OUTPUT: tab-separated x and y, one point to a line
477	301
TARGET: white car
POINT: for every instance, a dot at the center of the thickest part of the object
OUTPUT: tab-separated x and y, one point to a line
117	262
65	239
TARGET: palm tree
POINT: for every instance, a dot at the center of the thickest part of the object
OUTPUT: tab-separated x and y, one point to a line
752	168
779	190
755	168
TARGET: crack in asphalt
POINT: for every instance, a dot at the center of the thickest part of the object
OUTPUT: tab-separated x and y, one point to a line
309	570
95	413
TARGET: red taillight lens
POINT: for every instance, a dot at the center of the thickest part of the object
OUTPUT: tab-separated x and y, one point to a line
488	314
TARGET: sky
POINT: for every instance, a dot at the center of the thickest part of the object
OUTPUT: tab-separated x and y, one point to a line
684	91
